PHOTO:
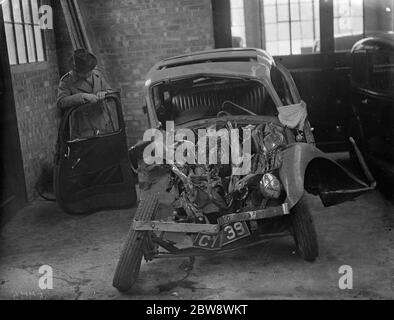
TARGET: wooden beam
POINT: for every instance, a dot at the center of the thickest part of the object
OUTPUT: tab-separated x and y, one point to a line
253	24
327	43
82	25
75	24
13	194
222	23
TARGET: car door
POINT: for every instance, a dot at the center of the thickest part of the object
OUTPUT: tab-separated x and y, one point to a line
92	169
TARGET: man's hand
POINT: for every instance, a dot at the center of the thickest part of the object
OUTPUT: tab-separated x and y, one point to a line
91	98
101	95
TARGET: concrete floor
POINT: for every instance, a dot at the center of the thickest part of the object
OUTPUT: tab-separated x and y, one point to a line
84	251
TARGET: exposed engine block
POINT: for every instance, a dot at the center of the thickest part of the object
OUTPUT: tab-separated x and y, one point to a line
205	190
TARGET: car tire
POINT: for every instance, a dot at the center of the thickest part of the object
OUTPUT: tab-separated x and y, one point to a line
304	231
129	264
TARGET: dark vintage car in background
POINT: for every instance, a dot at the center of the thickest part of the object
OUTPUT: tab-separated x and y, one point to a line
372	123
207	207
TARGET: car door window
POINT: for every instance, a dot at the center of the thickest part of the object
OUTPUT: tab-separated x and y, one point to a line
94	119
281	87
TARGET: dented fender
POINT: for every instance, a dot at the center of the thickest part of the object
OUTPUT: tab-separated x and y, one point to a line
306	168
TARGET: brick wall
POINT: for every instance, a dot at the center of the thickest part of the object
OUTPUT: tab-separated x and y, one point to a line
130	36
35	88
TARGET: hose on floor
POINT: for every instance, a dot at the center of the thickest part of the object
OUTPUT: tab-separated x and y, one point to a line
45	183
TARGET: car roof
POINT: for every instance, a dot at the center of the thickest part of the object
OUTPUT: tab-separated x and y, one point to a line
234	53
220	61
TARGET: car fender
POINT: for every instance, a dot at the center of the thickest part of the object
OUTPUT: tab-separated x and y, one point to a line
306	168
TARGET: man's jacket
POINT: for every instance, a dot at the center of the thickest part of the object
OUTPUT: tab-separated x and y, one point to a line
71	90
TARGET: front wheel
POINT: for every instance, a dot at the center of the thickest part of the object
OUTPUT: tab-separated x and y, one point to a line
129	265
304	231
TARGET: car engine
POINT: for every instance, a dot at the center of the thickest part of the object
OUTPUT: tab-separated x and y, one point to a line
204	193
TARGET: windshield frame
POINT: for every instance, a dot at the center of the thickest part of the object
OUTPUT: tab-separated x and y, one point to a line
266	83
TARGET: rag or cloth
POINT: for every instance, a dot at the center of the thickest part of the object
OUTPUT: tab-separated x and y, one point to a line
294	116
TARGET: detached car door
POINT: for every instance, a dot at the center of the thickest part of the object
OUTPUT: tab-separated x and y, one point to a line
92	167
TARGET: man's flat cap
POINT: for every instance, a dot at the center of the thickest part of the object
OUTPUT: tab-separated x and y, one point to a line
84	61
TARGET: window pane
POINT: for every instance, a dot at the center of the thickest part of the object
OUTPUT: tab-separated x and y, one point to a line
39	44
269	2
317	26
356	8
307	30
34	8
270	14
296	31
6	11
295	11
11	45
17	11
307	10
103	120
238	23
20	43
237	4
348	23
283	13
30	43
237	17
26	11
271	32
272	48
284	48
297	45
358	23
284	31
24	41
302	17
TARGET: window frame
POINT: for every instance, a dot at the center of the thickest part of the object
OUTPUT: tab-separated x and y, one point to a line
33	23
327	36
289	21
75	119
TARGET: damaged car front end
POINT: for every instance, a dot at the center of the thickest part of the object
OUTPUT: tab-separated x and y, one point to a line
219	206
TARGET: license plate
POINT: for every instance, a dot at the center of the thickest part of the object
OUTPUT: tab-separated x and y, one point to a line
231	232
208	242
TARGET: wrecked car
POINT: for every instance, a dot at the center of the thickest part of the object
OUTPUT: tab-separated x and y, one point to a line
195	208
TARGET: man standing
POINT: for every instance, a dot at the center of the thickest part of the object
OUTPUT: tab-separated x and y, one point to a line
84	84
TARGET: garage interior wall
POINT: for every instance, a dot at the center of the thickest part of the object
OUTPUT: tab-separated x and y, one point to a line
131	36
128	37
35	86
13	192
